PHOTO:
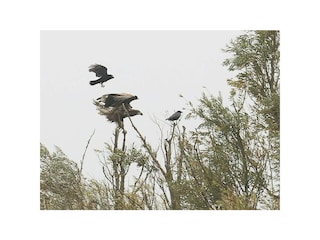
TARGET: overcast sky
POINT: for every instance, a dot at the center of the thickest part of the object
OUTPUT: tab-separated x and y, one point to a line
157	66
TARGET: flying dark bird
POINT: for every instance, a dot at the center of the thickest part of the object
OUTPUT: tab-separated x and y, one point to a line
117	99
174	116
101	72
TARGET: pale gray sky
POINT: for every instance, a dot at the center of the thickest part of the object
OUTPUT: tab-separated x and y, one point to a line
156	66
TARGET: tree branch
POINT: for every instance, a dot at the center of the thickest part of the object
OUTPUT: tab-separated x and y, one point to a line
145	144
82	160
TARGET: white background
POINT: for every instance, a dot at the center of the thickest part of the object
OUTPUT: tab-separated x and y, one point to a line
21	22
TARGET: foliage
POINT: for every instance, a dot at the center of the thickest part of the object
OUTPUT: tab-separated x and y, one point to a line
257	56
63	187
59	181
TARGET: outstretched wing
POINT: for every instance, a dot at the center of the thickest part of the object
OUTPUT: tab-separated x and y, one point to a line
115	99
99	70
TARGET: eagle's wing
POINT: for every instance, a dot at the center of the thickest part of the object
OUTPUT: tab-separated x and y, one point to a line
111	100
99	70
115	99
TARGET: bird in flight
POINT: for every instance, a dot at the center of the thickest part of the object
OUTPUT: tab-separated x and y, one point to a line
101	72
174	116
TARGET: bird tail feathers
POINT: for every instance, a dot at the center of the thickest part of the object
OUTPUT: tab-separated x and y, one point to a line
94	82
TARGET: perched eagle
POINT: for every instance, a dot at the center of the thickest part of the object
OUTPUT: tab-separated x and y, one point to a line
174	116
101	72
116	99
116	107
118	114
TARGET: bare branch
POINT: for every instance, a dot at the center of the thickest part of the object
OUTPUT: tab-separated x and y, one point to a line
82	160
145	144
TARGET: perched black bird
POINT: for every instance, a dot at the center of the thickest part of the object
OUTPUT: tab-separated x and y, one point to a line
116	100
174	116
101	72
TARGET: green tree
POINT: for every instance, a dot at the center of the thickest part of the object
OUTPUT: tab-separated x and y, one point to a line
60	181
234	152
63	187
116	164
257	57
